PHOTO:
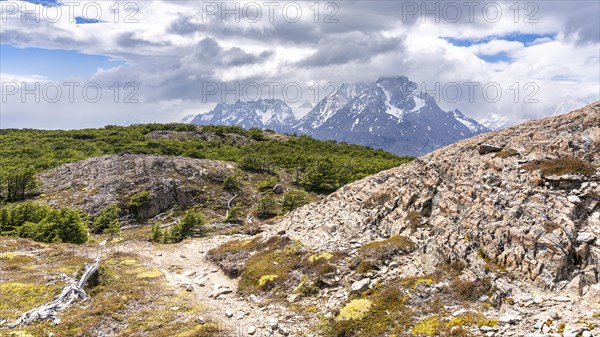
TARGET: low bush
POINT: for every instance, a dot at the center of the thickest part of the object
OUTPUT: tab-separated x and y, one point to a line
139	199
266	207
506	153
293	199
192	224
231	182
561	166
107	221
44	223
268	184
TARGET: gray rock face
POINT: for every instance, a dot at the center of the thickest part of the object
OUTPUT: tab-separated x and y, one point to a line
94	183
528	227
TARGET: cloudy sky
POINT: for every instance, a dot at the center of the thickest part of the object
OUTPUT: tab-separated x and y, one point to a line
76	64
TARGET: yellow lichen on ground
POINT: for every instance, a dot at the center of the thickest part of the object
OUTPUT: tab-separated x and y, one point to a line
150	273
355	310
319	257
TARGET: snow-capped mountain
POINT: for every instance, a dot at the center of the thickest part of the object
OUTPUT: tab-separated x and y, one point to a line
302	110
329	106
494	121
391	114
264	113
187	119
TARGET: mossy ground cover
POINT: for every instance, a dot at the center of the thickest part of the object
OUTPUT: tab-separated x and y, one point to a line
277	267
406	307
126	297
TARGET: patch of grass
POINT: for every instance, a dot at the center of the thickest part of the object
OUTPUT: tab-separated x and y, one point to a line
151	273
20	297
278	258
464	291
289	268
414	220
372	254
427	327
267	280
231	255
120	303
561	166
506	153
320	256
491	265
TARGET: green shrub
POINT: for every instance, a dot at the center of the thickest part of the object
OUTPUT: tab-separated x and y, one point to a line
45	149
268	184
293	200
17	182
156	234
234	215
256	163
192	224
61	225
43	223
256	134
139	199
266	208
107	221
231	182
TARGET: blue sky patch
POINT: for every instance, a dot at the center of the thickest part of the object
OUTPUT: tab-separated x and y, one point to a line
53	64
80	20
526	39
500	57
46	3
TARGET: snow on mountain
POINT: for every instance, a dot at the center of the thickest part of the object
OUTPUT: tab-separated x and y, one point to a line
391	114
494	121
188	119
329	105
302	110
264	113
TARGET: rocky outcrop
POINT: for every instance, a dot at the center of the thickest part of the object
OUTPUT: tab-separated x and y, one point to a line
488	209
97	182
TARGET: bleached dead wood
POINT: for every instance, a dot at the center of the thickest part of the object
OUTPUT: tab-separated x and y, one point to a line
229	205
69	294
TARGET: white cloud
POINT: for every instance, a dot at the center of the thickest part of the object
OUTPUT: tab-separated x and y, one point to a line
164	55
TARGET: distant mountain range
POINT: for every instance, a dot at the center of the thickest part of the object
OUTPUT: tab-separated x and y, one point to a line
391	114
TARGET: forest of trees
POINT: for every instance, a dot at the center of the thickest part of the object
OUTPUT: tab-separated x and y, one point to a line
328	164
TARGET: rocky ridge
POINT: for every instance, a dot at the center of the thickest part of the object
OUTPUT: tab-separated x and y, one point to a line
94	183
492	203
